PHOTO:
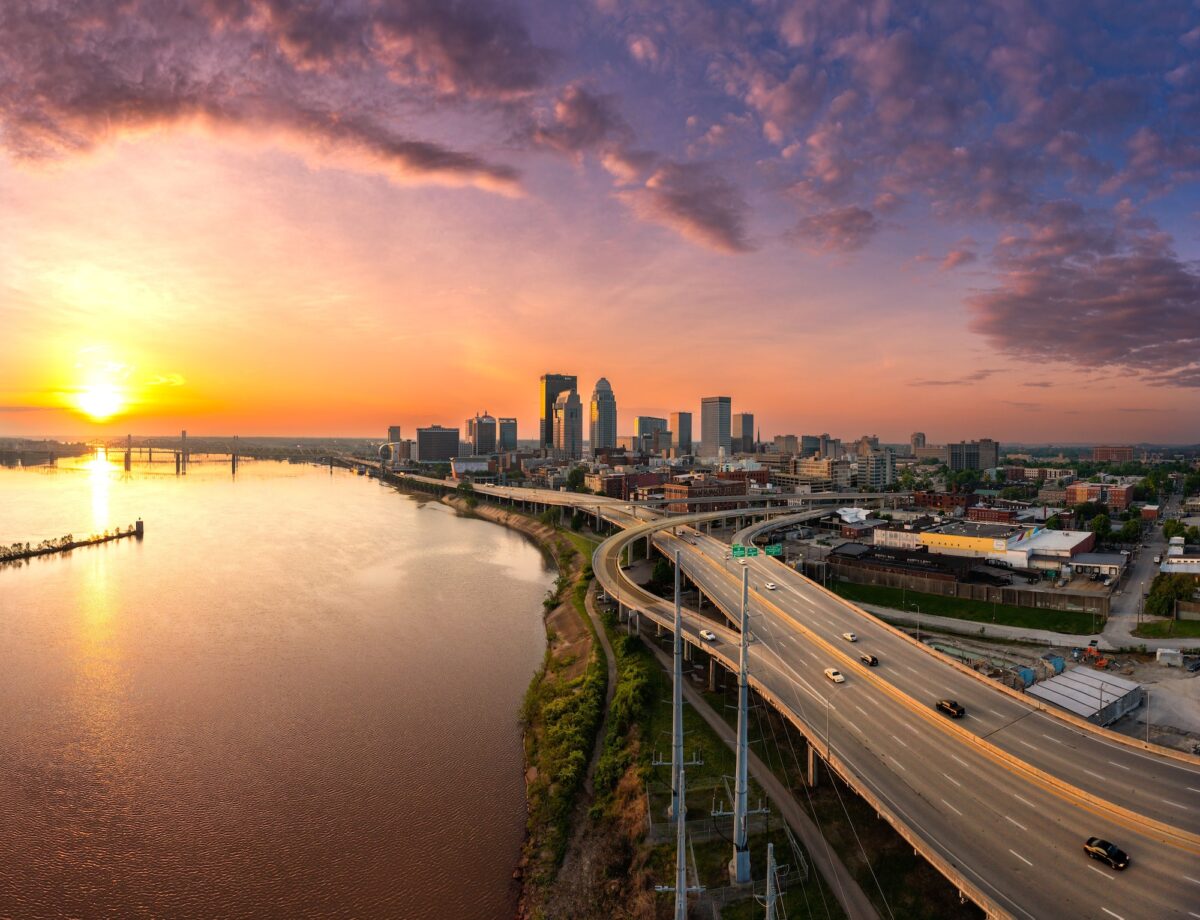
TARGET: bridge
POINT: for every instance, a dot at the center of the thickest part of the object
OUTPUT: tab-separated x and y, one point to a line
1000	802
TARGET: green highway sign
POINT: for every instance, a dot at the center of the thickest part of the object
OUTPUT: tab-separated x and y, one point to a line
738	550
774	549
751	550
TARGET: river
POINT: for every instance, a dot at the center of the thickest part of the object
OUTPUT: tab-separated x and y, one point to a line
297	696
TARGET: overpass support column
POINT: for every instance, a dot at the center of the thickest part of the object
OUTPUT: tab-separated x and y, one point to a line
687	651
658	630
712	675
813	763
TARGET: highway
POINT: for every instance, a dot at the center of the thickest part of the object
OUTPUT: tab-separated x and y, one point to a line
1000	801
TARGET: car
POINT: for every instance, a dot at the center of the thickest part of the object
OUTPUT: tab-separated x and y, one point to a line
708	635
1194	666
869	660
743	562
770	586
835	675
850	637
953	708
1113	855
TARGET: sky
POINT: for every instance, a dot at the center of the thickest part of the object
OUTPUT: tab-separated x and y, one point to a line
324	218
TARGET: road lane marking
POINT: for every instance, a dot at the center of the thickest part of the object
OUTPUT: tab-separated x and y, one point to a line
1176	804
952	779
960	760
1111	914
1026	801
1192	789
1101	872
914	670
860	709
897	737
1121	765
956	811
1194	881
855	727
910	728
1055	740
897	763
1016	854
1017	823
1027	744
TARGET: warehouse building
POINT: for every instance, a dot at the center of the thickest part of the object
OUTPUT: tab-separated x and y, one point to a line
1097	696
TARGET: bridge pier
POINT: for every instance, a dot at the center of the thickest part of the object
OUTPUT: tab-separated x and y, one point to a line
687	650
712	675
813	763
658	627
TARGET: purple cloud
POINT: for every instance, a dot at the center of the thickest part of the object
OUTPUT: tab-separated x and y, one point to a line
343	77
839	230
956	257
694	201
1074	287
584	121
973	377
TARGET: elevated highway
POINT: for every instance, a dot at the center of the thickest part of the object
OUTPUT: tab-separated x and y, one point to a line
1000	802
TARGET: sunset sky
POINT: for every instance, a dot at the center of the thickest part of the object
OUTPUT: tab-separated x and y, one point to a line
263	217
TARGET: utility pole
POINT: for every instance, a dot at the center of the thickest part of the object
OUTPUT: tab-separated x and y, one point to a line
681	886
740	866
771	893
677	761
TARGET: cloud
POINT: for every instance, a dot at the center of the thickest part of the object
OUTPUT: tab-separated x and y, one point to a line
956	257
1075	287
838	230
695	202
1024	406
1040	384
336	77
166	380
973	377
584	121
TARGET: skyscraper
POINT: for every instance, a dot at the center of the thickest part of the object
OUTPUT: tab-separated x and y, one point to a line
714	424
393	434
649	434
567	416
917	440
481	434
506	434
436	443
602	428
681	426
552	385
742	433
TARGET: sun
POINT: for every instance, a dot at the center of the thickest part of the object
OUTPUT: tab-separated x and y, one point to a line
100	401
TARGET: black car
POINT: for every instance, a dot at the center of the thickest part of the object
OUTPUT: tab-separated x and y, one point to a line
1194	666
952	708
869	660
1106	852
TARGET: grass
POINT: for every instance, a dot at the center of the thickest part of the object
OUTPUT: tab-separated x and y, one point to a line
1169	629
1071	622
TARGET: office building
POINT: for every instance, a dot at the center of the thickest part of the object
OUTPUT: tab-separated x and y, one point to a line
481	435
567	418
916	439
876	470
651	435
741	434
393	434
436	444
810	445
715	425
506	434
681	426
1110	454
824	475
552	386
866	445
983	454
602	427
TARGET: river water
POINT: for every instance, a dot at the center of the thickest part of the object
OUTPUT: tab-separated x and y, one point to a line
297	696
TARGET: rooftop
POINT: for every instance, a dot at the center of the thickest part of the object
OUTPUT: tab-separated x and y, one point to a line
977	529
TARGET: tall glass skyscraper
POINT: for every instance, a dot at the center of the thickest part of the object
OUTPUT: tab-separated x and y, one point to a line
552	386
715	417
602	429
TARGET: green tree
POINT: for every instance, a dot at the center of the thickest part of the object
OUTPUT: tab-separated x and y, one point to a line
1054	523
1167	589
1101	526
663	574
1193	534
1174	528
1130	531
575	479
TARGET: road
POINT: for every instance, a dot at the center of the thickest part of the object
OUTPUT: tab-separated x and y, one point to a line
1002	801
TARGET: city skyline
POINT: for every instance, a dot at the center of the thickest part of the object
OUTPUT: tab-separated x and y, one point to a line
982	217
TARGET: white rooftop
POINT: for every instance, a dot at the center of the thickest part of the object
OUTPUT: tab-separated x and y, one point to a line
1082	690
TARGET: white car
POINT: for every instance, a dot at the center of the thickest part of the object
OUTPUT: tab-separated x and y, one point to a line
835	675
770	586
743	562
708	635
850	637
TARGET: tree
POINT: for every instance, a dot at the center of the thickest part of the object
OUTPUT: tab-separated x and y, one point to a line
1101	526
663	574
1193	534
1174	528
575	479
1165	591
1054	523
1130	531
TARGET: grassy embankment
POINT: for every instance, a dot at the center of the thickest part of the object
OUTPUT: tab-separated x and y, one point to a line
1169	629
1070	622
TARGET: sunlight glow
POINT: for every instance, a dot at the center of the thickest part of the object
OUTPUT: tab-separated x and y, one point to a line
100	401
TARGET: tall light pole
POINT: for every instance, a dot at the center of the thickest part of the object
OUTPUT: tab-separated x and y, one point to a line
740	864
677	702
